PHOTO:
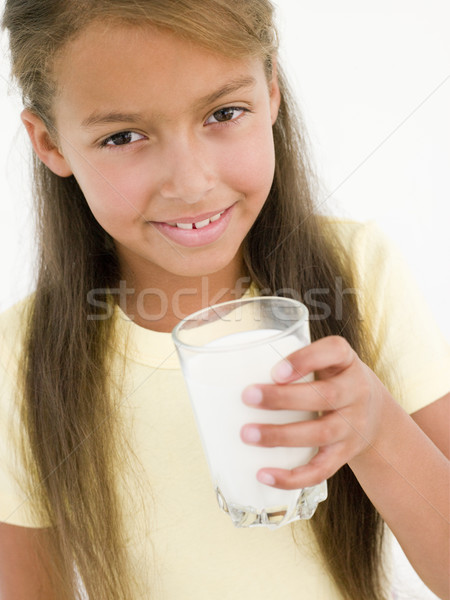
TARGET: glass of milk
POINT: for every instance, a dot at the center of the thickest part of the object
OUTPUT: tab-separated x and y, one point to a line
222	350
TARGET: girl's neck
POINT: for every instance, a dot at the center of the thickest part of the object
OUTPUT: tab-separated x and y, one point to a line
159	303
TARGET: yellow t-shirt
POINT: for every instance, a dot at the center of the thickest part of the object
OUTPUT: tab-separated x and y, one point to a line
182	545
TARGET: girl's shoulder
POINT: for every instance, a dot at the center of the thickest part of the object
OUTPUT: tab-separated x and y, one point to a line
366	246
12	329
352	233
13	319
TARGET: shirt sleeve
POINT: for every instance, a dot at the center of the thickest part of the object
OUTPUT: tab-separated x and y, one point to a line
409	346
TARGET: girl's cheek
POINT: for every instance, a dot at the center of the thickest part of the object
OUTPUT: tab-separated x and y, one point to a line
116	192
253	163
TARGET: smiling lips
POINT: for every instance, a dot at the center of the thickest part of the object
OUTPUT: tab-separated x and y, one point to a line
196	231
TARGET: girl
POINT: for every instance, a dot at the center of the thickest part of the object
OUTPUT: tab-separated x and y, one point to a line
171	173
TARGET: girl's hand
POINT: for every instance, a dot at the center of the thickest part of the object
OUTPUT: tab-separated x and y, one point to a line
347	393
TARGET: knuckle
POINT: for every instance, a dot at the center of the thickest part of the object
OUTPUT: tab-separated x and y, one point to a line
330	393
271	436
326	434
340	346
277	397
294	478
317	474
321	473
280	397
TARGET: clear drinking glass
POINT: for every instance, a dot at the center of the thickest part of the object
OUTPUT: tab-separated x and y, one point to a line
222	350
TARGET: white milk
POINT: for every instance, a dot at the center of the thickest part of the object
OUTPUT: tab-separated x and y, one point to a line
216	381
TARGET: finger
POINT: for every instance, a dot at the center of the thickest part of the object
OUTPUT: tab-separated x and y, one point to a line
331	355
321	467
320	395
323	431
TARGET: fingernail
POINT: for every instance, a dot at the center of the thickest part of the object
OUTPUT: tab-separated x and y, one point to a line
266	478
252	395
282	371
251	435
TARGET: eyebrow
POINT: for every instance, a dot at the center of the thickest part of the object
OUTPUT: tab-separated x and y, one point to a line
235	85
110	117
229	88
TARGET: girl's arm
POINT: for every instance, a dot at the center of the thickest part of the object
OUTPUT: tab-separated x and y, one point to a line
434	420
411	490
402	470
22	573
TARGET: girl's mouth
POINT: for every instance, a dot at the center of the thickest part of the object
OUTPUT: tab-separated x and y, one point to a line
199	224
199	231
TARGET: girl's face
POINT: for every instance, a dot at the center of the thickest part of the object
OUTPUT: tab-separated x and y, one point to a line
158	132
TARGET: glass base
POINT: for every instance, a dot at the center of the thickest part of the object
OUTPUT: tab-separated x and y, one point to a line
248	516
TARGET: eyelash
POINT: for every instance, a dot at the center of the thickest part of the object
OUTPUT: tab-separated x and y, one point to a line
104	143
232	121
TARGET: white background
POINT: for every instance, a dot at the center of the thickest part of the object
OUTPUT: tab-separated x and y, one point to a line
373	81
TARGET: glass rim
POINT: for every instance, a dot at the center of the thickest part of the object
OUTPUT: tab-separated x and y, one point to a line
282	333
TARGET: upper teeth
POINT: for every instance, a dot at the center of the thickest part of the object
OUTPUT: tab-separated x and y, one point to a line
198	225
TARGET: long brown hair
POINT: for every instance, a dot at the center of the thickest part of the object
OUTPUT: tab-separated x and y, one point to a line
67	396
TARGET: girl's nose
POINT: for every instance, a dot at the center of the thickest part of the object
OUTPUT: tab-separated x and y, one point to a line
187	172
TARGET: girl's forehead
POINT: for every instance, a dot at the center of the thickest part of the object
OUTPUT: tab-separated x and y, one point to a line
108	65
103	45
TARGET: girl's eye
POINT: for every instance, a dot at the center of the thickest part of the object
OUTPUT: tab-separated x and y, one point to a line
226	115
123	138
